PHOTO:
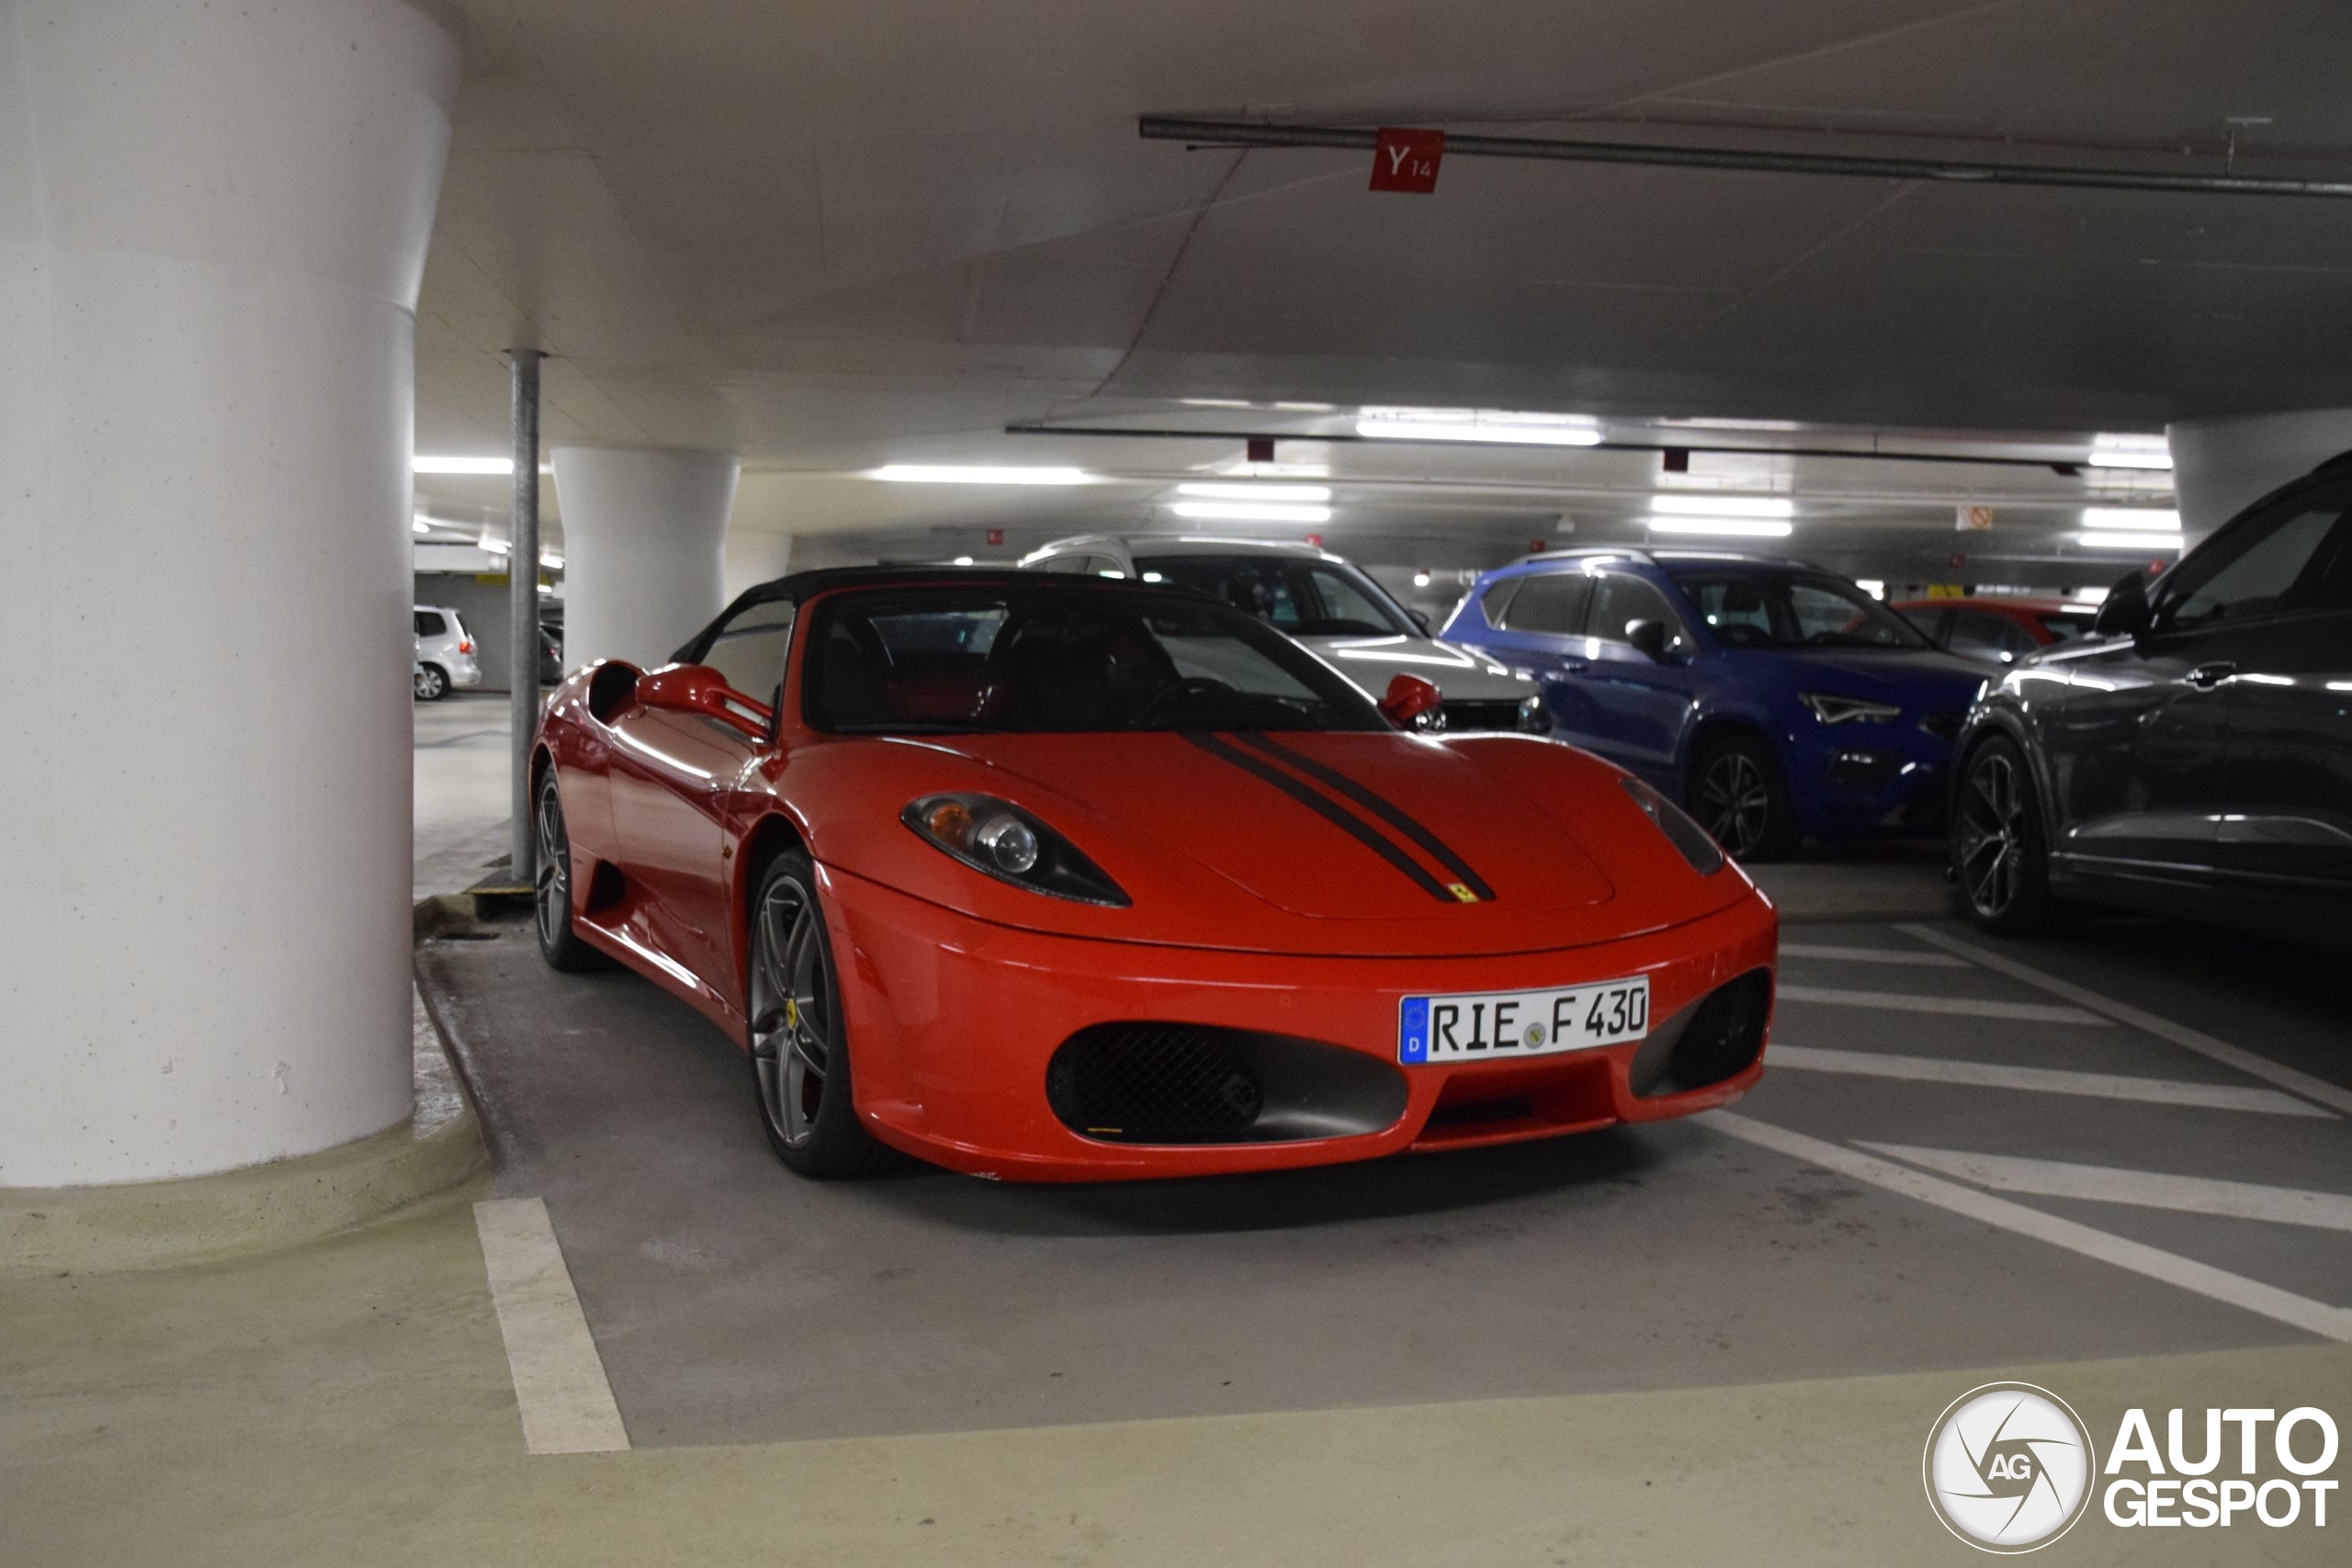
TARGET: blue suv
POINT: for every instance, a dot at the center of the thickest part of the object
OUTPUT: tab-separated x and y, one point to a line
1776	700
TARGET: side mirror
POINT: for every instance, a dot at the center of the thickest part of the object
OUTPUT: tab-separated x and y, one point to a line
699	689
1422	619
1649	636
1413	703
2124	612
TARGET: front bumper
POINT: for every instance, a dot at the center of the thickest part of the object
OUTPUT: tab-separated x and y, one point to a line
1852	779
953	1025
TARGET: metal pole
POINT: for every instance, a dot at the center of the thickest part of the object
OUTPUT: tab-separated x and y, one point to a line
522	607
1236	134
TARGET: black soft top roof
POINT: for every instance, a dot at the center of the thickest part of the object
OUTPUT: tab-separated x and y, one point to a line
799	587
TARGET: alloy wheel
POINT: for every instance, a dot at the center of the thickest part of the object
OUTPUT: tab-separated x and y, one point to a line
1735	803
792	1027
1992	834
551	883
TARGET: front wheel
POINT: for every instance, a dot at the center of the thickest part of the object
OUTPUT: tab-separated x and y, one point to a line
1739	797
800	1046
2000	865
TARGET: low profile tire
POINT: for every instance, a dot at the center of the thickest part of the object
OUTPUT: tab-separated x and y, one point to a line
1740	798
551	888
799	1049
2000	862
431	683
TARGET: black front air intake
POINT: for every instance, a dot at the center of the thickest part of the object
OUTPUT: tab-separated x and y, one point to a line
1185	1083
1716	1038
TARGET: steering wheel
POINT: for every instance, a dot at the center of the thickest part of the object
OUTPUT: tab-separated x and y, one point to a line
1189	686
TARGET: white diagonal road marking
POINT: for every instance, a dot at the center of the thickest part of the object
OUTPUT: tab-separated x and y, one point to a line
2144	1188
2245	1061
2044	1080
560	1383
1870	955
2252	1295
1959	1006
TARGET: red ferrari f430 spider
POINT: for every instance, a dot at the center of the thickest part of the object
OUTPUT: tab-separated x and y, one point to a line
1060	878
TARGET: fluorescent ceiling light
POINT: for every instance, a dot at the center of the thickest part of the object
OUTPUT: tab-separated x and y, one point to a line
496	546
2090	595
1215	402
1745	527
1479	424
419	525
1256	491
978	474
2114	539
2145	519
1251	511
1871	586
1684	505
1309	408
551	560
1421	580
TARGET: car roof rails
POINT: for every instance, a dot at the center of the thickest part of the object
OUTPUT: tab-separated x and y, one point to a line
1587	551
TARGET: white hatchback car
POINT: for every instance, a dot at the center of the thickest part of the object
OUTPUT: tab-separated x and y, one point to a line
1321	600
445	654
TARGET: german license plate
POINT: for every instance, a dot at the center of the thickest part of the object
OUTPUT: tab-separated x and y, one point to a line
1477	1026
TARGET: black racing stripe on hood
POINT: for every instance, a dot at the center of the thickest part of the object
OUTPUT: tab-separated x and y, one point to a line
1355	827
1380	806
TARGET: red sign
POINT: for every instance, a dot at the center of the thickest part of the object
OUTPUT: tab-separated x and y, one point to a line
1536	547
1960	557
996	535
1407	160
1316	540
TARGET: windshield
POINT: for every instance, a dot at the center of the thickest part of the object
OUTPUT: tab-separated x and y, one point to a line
1788	609
1303	598
1076	656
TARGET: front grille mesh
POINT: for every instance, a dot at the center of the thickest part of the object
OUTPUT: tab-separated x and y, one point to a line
1154	1083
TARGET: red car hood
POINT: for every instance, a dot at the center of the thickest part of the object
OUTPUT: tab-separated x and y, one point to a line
1330	844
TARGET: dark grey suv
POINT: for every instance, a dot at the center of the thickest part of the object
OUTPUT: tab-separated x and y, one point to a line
2194	755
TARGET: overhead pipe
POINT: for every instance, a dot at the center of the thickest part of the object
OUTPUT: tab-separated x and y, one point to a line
1242	133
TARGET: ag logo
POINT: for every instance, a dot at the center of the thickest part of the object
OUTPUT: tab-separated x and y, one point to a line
2008	1467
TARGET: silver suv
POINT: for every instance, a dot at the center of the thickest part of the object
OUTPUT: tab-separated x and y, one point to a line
1322	600
445	654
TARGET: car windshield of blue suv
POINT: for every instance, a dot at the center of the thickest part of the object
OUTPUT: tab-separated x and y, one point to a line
1745	608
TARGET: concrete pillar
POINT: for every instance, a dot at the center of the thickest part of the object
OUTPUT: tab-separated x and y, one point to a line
643	548
213	219
2221	465
755	558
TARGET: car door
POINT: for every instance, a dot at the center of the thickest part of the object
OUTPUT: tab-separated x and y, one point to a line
1539	631
1637	706
2288	824
2138	737
673	775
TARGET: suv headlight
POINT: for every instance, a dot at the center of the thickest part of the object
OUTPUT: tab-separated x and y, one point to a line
1831	709
1705	856
998	838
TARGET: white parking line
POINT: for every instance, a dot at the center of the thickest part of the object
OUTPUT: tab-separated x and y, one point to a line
2180	1035
2252	1295
2044	1080
1957	1007
559	1384
1870	955
2142	1188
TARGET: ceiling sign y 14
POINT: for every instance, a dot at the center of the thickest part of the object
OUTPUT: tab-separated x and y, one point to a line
1407	160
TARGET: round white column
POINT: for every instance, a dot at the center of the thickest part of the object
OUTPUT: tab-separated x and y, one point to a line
2219	466
755	557
644	537
213	219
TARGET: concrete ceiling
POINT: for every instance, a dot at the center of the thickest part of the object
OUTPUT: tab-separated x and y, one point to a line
830	234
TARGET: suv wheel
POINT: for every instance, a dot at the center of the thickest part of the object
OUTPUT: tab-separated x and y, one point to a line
1738	796
432	682
2000	865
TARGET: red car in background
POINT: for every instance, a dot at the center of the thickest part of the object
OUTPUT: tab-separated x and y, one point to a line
1062	878
2000	629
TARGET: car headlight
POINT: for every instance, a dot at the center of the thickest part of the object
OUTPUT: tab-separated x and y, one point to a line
998	839
1831	709
1705	856
1534	719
